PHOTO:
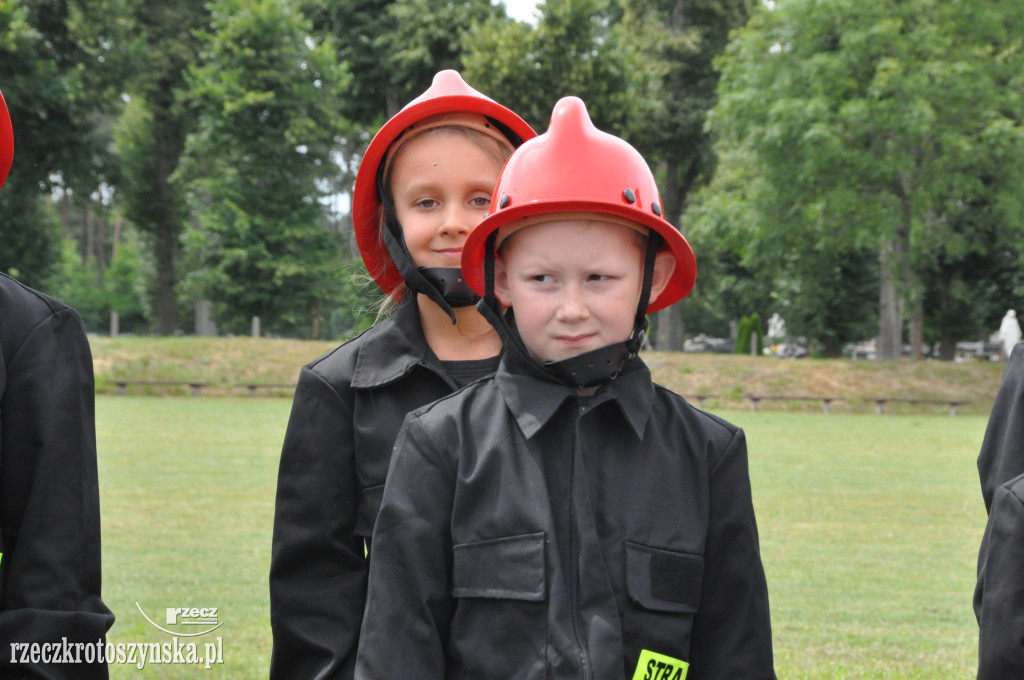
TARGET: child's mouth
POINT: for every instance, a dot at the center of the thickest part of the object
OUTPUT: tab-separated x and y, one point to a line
574	340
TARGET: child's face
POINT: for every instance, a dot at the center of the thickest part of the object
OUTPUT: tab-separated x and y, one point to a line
441	186
574	284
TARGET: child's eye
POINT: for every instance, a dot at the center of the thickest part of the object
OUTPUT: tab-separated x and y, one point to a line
541	278
481	202
426	203
598	277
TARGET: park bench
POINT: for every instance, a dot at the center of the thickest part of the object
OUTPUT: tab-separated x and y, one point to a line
700	397
194	385
253	387
826	402
880	403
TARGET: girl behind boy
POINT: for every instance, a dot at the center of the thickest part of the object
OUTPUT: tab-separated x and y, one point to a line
423	183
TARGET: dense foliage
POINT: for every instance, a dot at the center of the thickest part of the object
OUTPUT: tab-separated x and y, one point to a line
852	165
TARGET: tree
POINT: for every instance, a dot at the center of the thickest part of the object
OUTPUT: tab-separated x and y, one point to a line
356	28
880	127
150	138
426	37
575	49
749	329
258	166
678	42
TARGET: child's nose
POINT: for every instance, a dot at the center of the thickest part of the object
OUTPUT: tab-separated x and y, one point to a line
573	307
455	222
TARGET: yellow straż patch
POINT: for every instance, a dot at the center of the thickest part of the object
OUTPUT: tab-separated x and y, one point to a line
654	666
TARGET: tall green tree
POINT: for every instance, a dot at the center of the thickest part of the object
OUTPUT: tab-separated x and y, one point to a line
893	127
151	137
678	42
266	99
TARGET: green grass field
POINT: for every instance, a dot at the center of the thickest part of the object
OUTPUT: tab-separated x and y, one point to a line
869	532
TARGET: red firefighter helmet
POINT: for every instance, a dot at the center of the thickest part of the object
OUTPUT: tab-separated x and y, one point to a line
449	100
576	168
6	141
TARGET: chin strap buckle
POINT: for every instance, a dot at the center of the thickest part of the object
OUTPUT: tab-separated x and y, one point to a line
449	282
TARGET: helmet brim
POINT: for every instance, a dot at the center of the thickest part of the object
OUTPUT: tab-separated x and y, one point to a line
679	286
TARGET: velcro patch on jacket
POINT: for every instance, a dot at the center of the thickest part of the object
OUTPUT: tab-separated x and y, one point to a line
676	578
654	666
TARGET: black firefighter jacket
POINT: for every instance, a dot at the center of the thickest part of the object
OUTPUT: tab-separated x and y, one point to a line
49	494
526	534
999	595
348	407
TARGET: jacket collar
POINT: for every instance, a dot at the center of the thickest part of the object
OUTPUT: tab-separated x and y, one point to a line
392	348
534	402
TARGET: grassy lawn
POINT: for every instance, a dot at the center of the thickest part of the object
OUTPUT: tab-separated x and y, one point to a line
187	498
869	530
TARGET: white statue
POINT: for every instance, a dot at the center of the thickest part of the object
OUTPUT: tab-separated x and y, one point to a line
1009	332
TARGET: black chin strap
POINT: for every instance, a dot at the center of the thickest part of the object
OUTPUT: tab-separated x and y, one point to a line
596	367
640	323
448	280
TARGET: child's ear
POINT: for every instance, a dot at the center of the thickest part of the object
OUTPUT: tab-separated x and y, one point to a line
501	282
664	267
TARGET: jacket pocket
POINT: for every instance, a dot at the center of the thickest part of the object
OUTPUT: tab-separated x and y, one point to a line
499	628
509	568
663	580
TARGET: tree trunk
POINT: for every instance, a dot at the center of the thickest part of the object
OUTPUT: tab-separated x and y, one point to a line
947	347
169	144
166	298
671	332
890	307
916	330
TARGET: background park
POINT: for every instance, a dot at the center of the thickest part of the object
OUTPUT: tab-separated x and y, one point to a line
853	166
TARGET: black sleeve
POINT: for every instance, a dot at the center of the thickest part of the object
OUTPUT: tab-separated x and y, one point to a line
732	635
409	604
49	515
1002	451
1000	605
318	566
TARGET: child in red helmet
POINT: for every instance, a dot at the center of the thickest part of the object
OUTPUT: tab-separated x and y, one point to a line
50	566
425	180
568	518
